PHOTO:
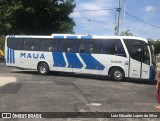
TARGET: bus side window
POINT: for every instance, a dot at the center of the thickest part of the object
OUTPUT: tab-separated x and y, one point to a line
69	45
51	49
26	45
33	48
119	49
19	44
81	48
15	43
31	44
69	50
47	44
112	50
90	46
110	46
104	48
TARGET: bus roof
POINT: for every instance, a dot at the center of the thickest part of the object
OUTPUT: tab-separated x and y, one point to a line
76	36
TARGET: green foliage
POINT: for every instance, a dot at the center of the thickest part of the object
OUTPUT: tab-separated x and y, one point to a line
150	40
2	39
157	46
126	33
36	16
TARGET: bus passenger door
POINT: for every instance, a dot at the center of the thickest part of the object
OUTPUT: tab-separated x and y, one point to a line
135	66
139	61
145	63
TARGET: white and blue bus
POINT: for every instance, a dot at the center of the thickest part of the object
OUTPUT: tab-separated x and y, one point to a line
115	56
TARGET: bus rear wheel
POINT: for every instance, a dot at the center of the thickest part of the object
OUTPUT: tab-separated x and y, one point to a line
43	68
117	74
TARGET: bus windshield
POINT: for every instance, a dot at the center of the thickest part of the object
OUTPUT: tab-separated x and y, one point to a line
153	55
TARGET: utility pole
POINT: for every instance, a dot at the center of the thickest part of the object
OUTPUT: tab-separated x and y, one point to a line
89	20
124	17
117	19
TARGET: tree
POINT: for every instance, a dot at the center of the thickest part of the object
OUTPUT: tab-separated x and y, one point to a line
36	16
157	46
150	40
2	43
126	33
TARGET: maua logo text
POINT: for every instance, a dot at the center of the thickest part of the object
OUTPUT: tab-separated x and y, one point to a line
32	55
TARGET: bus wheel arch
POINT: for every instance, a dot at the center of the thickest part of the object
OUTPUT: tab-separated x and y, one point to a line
116	73
43	68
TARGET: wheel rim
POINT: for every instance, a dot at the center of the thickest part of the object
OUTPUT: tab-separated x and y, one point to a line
43	69
118	75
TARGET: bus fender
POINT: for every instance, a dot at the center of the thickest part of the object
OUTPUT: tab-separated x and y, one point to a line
116	66
43	62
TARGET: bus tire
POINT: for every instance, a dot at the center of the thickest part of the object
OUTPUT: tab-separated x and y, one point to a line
43	68
117	74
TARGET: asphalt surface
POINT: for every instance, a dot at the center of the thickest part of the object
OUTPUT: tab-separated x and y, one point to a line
69	92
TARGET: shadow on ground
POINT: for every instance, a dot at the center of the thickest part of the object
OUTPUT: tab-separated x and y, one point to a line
87	76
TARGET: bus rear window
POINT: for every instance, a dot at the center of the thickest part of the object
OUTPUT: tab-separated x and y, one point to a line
15	43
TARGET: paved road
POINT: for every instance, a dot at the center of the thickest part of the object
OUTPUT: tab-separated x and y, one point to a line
73	93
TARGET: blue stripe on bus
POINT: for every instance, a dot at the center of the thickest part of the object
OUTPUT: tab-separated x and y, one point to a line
13	57
58	37
58	59
10	55
72	37
73	60
151	73
86	37
7	55
91	62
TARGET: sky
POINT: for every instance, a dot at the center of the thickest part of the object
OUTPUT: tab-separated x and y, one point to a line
101	21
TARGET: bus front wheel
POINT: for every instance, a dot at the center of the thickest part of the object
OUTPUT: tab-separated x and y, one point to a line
117	74
43	68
